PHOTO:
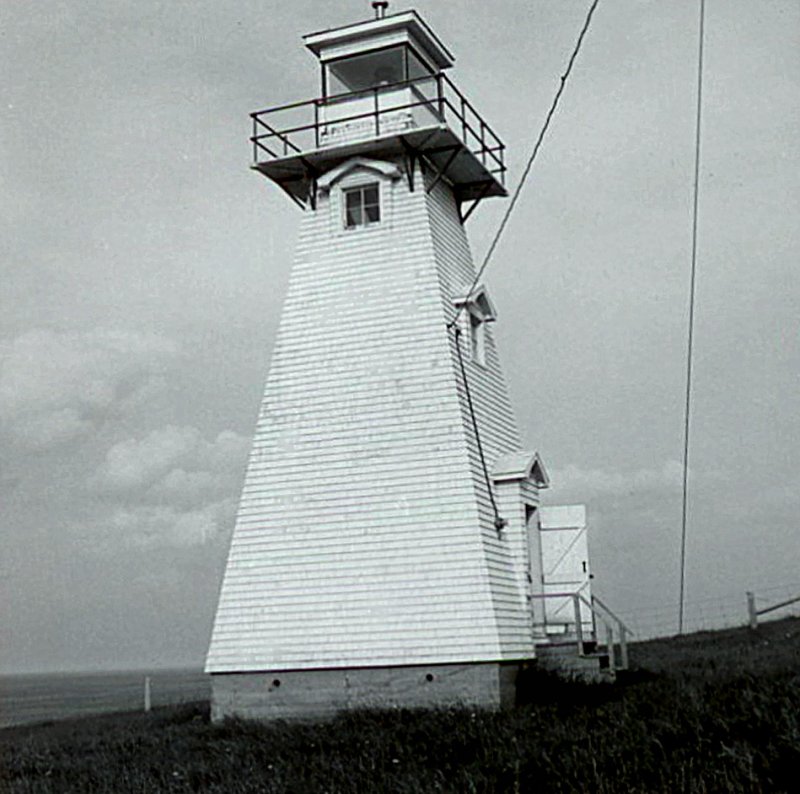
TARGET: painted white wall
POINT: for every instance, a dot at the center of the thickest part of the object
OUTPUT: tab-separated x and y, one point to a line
365	534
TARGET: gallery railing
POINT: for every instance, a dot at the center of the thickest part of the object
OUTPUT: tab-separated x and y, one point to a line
393	108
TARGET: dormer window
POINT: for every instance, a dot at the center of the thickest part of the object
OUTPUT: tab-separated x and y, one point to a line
362	206
477	339
475	311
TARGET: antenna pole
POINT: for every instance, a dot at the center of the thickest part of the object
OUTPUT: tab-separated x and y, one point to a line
691	317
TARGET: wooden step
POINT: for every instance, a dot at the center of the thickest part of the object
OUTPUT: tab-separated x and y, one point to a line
564	659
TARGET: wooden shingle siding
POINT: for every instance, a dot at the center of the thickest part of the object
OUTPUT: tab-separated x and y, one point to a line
497	427
365	534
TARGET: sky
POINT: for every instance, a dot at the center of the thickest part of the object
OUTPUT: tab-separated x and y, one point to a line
143	267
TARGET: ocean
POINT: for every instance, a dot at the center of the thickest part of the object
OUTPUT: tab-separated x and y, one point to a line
38	698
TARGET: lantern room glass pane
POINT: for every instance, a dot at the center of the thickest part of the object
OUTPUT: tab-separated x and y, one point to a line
362	72
416	68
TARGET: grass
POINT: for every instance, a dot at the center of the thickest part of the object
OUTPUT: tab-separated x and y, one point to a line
712	712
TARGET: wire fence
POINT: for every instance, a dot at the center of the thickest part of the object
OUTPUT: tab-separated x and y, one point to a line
727	610
26	699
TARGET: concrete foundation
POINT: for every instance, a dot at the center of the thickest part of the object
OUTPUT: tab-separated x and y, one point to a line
315	694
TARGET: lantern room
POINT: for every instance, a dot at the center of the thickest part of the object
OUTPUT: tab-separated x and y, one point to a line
384	94
384	51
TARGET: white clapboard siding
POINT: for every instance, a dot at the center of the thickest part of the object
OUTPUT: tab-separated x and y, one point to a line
497	427
365	535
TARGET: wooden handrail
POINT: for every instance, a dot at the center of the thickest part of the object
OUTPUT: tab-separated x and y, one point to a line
576	605
577	599
623	632
611	613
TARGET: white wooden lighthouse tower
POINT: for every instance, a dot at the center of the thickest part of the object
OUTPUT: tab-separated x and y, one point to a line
368	565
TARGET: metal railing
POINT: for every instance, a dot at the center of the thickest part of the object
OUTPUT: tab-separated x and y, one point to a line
609	620
302	127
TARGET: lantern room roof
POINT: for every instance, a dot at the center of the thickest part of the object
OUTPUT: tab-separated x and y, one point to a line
377	33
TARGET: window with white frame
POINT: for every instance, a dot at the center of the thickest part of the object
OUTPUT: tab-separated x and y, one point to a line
362	206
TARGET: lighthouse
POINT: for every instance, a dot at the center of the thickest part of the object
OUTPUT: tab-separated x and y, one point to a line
389	547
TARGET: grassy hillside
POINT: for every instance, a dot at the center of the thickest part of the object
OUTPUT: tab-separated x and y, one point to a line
711	712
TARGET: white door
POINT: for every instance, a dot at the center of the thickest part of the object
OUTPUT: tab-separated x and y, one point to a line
565	567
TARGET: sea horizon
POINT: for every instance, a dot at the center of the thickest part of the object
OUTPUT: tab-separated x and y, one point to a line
27	698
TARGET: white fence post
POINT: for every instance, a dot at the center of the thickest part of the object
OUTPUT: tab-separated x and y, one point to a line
147	693
751	610
612	656
623	646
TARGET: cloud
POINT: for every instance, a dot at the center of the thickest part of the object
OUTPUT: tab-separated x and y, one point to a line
171	487
51	427
147	526
596	482
180	485
172	464
58	386
667	479
132	464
